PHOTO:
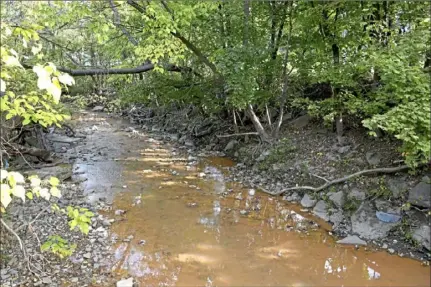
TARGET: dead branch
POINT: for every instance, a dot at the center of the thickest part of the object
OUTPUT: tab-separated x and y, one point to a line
14	234
237	135
339	180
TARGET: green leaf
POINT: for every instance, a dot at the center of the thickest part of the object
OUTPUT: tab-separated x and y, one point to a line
54	181
29	195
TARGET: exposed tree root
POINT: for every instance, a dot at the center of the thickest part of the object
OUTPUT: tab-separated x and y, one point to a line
339	180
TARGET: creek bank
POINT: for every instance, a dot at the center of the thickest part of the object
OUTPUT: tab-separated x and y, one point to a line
35	221
389	211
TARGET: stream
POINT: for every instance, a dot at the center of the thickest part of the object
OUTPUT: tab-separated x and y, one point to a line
178	223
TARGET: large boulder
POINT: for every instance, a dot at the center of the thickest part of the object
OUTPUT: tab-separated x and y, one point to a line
366	224
421	193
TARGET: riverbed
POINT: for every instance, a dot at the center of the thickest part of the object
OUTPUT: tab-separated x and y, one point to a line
178	222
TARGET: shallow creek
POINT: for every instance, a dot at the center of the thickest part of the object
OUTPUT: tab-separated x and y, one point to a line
194	230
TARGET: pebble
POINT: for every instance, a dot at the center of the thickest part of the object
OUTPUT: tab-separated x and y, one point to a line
392	251
87	255
385	246
119	212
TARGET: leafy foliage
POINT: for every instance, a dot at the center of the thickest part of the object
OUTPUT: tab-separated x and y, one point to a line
59	246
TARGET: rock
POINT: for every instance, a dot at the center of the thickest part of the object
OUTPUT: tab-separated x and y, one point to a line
373	158
182	139
189	143
174	137
230	145
320	210
352	240
336	217
251	192
98	109
307	201
300	122
385	246
343	149
391	251
366	224
263	155
293	197
421	193
387	217
125	282
87	255
243	212
119	212
422	235
397	186
356	194
62	139
61	171
338	198
47	280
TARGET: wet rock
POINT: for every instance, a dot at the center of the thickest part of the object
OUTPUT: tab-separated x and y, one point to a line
231	145
125	282
243	212
320	210
338	198
307	201
142	242
421	193
367	225
352	240
120	212
98	109
356	194
251	192
192	204
300	122
397	186
373	158
422	236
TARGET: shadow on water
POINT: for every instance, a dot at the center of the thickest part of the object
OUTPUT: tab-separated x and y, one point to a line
185	226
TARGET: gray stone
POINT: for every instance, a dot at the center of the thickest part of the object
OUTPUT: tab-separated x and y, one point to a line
98	109
87	255
301	121
62	139
125	282
336	217
321	210
373	158
293	197
230	145
47	280
422	235
367	225
385	206
307	201
61	171
356	194
189	143
263	155
338	198
421	193
119	212
397	186
391	251
343	149
352	240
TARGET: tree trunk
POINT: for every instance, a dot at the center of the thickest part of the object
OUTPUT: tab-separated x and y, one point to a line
257	125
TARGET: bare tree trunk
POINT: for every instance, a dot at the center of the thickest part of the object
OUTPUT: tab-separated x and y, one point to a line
257	124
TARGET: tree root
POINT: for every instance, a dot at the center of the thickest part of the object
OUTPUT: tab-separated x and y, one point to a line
338	180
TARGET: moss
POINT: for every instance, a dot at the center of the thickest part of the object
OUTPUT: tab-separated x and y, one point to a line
351	205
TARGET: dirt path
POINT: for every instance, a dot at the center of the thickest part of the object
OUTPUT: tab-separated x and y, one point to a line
178	223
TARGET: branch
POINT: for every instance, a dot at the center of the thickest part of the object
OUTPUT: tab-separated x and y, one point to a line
117	24
340	180
14	233
235	135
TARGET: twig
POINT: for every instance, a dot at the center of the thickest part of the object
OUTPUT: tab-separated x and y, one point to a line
339	180
14	233
235	135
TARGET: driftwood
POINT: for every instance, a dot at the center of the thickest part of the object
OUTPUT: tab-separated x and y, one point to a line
339	180
237	135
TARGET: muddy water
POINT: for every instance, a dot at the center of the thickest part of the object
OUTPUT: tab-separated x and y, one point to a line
194	230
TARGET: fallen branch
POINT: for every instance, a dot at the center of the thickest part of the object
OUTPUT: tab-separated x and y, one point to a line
237	135
339	180
14	233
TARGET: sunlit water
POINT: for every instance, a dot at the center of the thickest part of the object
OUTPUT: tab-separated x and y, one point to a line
190	230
